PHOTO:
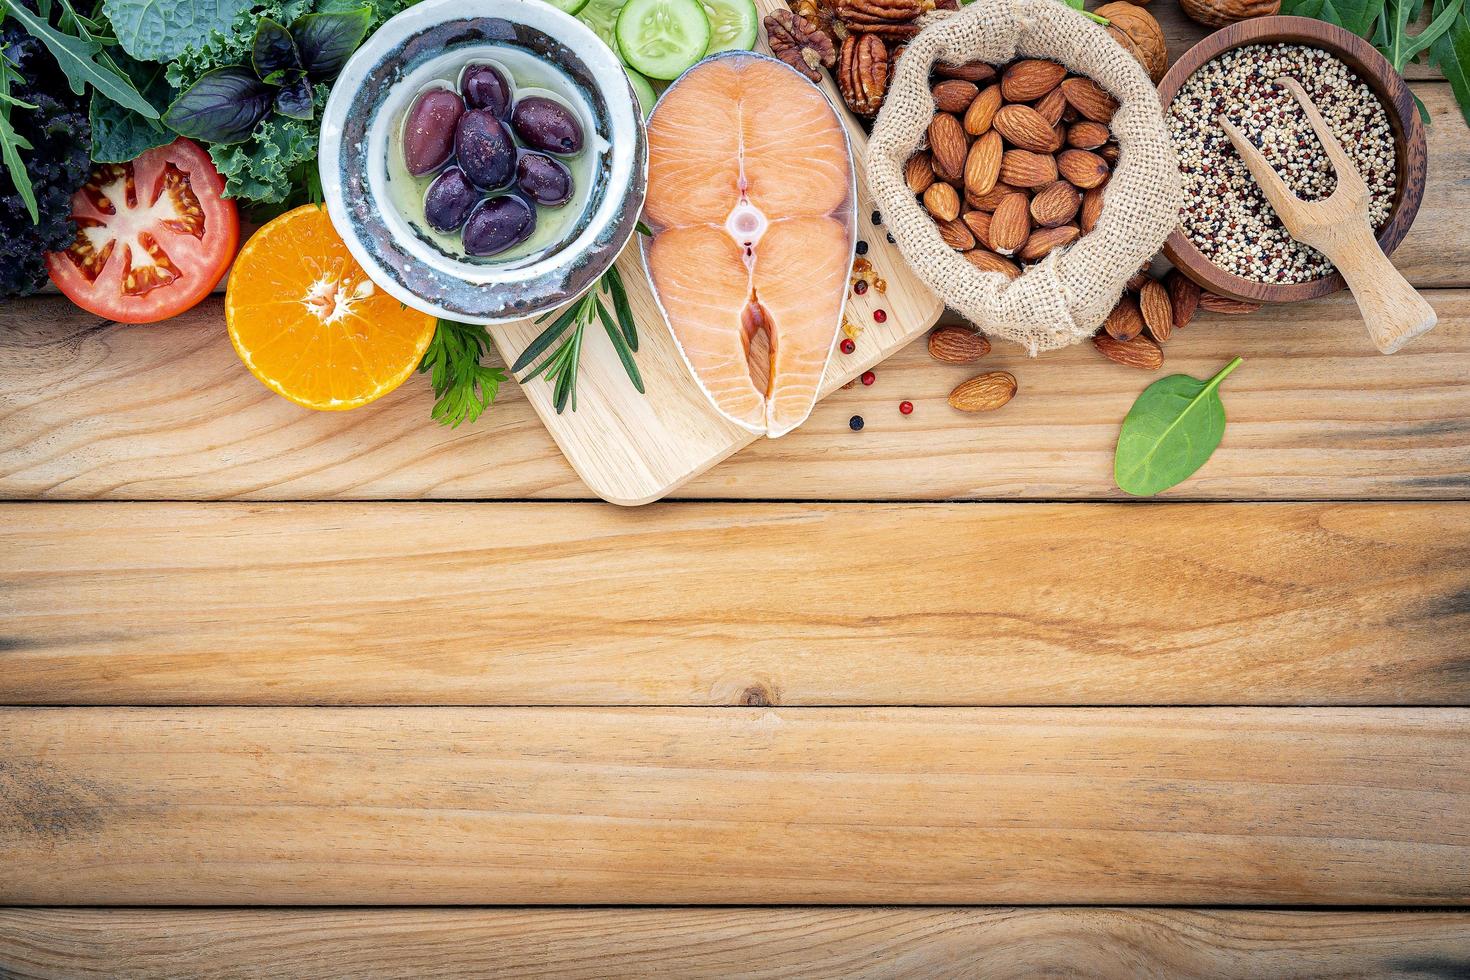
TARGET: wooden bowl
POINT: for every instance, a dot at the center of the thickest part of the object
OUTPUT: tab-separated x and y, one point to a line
1408	136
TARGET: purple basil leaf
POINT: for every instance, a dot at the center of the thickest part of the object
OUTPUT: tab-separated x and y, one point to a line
294	99
274	49
327	40
222	107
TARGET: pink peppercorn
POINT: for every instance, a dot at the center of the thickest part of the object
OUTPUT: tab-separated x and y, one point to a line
848	346
906	408
869	377
879	316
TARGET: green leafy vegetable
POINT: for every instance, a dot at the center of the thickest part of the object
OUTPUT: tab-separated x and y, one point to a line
1385	23
77	59
118	133
326	40
1170	432
161	30
562	364
463	386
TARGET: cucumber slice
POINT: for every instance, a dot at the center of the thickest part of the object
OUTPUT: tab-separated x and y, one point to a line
602	17
732	24
661	38
646	95
569	6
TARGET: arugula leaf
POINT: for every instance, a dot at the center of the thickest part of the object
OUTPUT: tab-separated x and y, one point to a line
77	59
1170	431
224	106
1451	52
161	30
327	40
463	387
11	142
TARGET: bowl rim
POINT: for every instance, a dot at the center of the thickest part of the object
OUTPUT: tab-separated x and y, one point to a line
521	288
1410	152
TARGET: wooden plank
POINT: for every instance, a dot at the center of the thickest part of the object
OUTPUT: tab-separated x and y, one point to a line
587	806
1102	943
790	604
90	410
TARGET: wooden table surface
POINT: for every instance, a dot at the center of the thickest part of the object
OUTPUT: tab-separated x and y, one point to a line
296	694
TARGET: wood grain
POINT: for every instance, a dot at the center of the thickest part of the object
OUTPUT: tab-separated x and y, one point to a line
701	604
90	410
347	806
1102	943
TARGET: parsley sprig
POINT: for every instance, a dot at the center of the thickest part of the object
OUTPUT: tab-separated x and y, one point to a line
560	366
463	387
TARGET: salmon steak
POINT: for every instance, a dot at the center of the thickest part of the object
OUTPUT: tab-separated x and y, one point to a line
750	201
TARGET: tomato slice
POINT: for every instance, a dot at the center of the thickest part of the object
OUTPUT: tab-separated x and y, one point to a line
154	236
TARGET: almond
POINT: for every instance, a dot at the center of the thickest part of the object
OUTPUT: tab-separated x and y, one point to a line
1136	281
1216	303
987	261
1083	168
1010	225
943	201
1090	99
956	235
947	145
991	199
957	345
1087	135
1110	153
1092	205
918	173
1184	296
979	224
1023	127
1023	168
1051	106
1030	79
982	164
1158	312
1140	352
982	111
954	95
1125	322
1055	204
1044	240
970	71
984	393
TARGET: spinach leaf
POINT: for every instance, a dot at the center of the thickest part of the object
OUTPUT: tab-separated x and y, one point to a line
161	30
224	106
327	40
77	59
1170	432
1451	52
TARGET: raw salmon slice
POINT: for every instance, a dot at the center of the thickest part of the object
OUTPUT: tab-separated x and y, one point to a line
750	200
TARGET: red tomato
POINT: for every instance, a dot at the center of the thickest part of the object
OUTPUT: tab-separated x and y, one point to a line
154	236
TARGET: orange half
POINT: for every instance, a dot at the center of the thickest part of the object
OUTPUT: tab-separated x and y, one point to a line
310	324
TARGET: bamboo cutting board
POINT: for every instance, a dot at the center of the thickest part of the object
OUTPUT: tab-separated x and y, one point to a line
633	449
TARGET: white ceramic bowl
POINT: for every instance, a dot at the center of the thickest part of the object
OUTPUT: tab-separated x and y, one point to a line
367	105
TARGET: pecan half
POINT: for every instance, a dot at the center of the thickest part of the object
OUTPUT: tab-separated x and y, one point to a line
862	73
823	15
886	18
798	42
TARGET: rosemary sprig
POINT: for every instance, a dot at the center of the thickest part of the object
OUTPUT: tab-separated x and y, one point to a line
566	331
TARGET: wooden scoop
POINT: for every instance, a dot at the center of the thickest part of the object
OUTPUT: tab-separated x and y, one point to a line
1338	227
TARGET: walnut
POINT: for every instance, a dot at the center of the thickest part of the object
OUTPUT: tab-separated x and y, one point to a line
862	73
798	42
1145	38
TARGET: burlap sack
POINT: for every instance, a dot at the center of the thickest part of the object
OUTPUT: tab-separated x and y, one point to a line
1067	295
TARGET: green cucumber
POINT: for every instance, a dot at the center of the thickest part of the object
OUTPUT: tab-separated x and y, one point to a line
602	17
732	24
568	6
661	38
646	95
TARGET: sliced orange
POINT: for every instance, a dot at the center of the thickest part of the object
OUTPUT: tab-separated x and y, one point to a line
310	324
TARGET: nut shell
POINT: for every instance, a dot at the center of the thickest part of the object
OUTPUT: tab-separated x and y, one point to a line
1219	13
1144	35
